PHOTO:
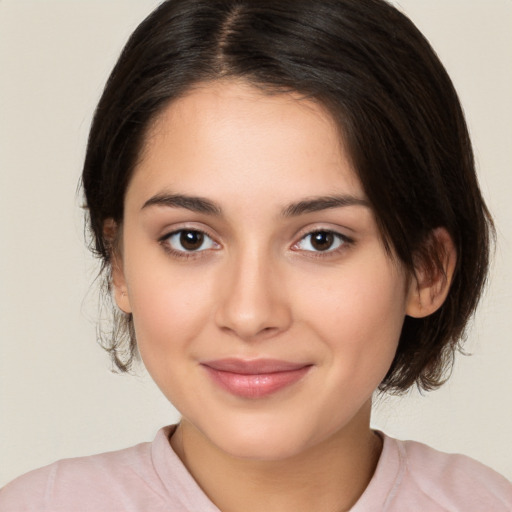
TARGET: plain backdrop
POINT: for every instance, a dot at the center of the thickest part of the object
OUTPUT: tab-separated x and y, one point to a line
58	397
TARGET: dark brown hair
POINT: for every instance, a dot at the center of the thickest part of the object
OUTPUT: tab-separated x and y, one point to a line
394	103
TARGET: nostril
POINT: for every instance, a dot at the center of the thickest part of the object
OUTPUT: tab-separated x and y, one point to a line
249	306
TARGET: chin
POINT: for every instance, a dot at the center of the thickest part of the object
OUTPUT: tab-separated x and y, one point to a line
262	440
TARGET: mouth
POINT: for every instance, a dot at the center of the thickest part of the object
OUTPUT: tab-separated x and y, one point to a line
254	378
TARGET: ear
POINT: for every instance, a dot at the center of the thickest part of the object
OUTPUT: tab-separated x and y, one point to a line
112	233
433	276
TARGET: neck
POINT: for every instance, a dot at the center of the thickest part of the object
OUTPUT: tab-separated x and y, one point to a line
341	466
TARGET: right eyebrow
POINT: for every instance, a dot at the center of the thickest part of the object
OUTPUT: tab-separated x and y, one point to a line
192	203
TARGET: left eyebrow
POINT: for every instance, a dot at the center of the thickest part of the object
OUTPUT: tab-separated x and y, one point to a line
316	204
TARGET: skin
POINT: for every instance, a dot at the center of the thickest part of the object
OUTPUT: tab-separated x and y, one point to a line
258	288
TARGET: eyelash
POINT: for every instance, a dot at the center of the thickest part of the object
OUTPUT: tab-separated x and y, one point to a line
343	243
339	238
184	254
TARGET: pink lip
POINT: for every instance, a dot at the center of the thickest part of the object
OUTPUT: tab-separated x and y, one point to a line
256	378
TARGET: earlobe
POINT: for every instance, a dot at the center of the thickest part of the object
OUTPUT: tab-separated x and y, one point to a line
118	281
431	283
119	287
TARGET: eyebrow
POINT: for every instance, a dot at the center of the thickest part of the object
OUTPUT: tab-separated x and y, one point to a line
202	205
192	203
316	204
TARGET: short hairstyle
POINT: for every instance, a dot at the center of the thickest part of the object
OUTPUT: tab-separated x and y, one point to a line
394	104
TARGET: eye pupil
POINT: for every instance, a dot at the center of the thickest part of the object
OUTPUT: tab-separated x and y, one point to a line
322	240
191	240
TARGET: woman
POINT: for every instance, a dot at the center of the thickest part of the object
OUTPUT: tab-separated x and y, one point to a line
274	190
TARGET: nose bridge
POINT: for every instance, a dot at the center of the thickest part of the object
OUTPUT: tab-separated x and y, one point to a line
253	301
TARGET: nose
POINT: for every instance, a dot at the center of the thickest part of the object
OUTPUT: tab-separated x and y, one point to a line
252	302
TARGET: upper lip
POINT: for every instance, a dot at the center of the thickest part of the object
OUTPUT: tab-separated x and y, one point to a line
253	366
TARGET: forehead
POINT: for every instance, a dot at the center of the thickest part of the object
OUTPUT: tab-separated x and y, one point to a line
231	135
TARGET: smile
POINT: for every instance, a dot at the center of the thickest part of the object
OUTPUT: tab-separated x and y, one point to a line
254	379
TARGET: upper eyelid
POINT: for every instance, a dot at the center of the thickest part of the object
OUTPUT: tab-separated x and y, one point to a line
164	239
302	233
172	231
166	244
346	242
335	233
299	235
325	230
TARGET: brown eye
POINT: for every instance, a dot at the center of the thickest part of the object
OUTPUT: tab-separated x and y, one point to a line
322	241
189	240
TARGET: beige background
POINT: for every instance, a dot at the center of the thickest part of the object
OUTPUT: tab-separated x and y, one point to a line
57	396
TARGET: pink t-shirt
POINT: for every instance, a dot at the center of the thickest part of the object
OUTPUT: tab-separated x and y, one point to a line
150	477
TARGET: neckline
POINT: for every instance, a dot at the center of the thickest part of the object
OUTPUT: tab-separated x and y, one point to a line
175	476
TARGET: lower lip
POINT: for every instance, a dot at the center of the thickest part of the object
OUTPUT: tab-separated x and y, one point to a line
256	385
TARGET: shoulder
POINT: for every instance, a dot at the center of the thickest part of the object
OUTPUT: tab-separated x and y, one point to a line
83	483
455	482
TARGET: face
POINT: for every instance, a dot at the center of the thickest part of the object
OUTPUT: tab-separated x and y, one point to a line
265	305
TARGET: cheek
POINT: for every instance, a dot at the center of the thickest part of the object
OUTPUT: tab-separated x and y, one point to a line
359	313
169	313
169	307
